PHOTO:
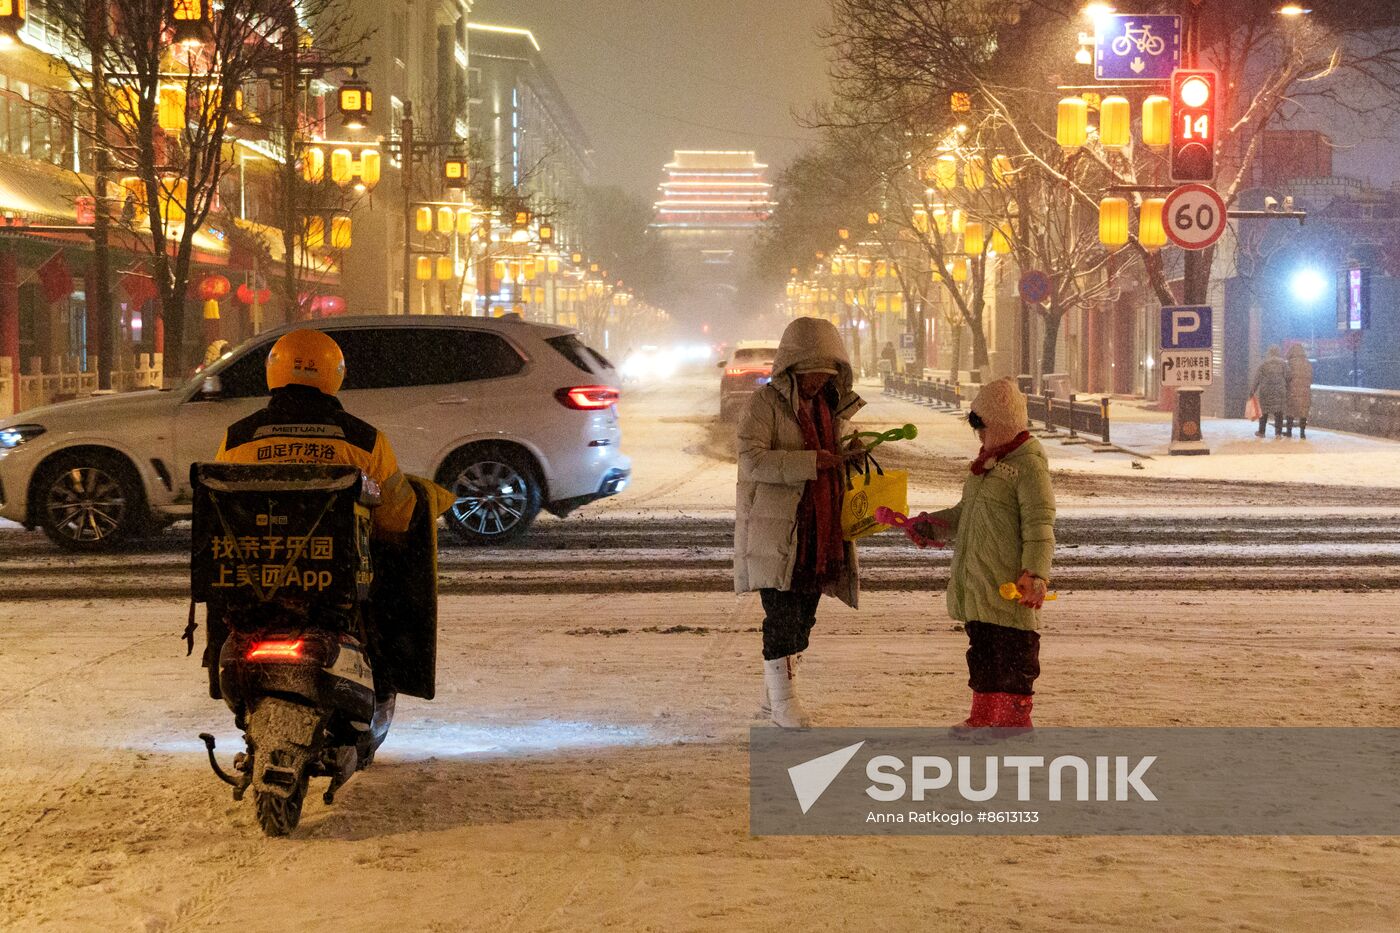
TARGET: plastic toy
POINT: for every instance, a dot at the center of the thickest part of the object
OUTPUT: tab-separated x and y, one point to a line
1012	591
888	516
873	439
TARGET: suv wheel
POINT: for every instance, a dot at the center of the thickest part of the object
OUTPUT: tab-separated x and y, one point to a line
498	494
89	501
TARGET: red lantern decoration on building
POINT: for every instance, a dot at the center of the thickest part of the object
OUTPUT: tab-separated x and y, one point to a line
214	287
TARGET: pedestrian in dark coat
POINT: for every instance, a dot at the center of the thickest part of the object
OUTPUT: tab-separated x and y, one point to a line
1270	386
1300	377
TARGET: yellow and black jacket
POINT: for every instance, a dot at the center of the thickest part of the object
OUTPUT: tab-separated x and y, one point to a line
303	425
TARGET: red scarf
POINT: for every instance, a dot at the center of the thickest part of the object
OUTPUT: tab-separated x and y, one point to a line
821	552
986	459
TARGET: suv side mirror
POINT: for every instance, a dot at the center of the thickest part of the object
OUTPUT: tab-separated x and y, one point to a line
723	363
212	387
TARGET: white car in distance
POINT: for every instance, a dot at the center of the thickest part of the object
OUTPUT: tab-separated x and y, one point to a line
513	417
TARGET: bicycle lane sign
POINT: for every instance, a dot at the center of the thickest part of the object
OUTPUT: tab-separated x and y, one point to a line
1135	47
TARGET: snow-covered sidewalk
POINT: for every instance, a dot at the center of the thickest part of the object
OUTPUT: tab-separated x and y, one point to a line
584	767
1325	457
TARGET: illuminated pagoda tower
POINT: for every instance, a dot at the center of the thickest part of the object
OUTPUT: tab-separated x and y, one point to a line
712	202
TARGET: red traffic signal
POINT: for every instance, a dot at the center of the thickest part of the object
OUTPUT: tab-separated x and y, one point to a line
1193	125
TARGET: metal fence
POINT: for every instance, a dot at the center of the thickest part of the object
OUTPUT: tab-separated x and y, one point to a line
1046	411
1076	417
929	391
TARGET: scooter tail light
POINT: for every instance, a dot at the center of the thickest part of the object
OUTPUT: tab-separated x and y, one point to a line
281	650
588	398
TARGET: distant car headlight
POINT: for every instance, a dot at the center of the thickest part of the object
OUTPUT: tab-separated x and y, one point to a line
13	437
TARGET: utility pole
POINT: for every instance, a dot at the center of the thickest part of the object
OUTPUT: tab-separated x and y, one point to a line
101	262
291	88
1195	285
406	157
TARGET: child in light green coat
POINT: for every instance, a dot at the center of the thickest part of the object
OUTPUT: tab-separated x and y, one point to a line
1003	532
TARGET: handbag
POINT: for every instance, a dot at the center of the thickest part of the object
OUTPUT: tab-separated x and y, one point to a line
870	487
1252	409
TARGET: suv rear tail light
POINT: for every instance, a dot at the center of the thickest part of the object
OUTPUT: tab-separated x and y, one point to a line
749	371
588	398
275	651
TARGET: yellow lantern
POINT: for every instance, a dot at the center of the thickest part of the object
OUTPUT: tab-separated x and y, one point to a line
897	302
170	112
945	172
498	269
423	219
313	164
446	220
340	232
172	200
1001	244
424	268
959	221
1151	233
122	102
1115	122
882	302
1157	121
960	269
342	167
1072	123
1113	222
135	190
370	161
973	238
1002	169
445	270
315	236
974	174
940	220
464	221
553	265
539	295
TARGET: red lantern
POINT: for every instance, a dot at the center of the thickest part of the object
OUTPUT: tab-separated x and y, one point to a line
331	305
214	287
247	295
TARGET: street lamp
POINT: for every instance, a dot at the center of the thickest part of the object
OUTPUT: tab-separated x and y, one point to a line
12	16
1307	285
1292	10
191	19
455	172
356	103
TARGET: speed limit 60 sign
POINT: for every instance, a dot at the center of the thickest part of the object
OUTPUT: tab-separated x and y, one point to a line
1194	216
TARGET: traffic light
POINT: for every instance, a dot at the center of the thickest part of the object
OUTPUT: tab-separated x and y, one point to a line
1193	125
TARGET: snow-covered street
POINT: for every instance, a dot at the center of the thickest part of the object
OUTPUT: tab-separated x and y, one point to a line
585	763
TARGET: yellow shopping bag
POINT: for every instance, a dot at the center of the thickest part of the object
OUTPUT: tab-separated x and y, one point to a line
868	489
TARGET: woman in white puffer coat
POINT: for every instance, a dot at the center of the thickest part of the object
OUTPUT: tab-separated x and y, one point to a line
787	532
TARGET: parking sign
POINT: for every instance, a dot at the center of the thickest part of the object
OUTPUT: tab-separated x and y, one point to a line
1186	327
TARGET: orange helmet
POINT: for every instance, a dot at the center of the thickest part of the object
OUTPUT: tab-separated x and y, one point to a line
306	358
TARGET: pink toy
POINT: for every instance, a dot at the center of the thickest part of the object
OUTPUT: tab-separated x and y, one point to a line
910	526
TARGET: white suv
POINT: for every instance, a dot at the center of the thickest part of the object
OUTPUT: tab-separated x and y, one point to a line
511	416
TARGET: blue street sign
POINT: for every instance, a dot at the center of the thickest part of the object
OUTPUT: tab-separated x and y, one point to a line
1186	327
1133	47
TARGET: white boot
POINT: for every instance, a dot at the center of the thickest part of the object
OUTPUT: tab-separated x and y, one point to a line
765	705
780	677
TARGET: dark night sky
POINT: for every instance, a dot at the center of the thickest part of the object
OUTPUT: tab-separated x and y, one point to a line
650	76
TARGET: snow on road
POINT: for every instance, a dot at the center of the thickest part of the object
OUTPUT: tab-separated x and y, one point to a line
585	766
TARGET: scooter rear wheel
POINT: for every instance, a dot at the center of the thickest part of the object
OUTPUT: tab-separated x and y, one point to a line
279	816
